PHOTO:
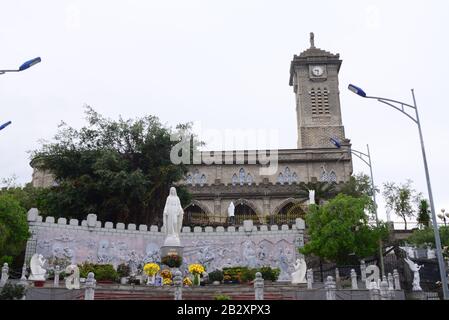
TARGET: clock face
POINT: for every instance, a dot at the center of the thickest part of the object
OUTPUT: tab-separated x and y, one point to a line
317	71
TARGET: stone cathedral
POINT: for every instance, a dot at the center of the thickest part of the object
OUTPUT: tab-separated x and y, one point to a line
314	78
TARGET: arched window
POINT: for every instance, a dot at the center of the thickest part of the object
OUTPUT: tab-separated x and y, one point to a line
203	180
289	213
249	179
332	177
242	176
235	179
281	178
244	212
194	215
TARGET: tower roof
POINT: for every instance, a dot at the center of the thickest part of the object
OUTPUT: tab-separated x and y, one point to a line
313	55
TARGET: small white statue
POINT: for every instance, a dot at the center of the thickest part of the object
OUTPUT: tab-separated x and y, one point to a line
231	212
414	267
37	268
299	276
173	215
311	196
431	253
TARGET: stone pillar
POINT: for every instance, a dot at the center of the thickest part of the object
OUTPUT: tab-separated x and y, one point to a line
384	292
258	287
89	293
330	287
363	271
337	277
24	272
177	282
56	281
310	278
397	283
5	276
354	284
374	291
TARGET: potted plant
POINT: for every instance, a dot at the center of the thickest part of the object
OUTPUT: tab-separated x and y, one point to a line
196	270
123	271
172	261
216	277
151	269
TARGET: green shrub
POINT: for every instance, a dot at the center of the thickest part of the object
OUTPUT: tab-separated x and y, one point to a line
222	297
216	275
245	274
269	273
103	272
123	270
248	275
12	292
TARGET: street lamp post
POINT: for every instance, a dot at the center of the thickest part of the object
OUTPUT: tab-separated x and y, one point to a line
24	65
366	158
401	107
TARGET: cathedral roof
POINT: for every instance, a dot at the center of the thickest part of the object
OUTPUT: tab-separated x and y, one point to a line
316	52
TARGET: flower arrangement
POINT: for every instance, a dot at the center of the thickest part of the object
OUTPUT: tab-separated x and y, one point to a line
167	281
151	269
166	274
187	282
172	260
196	268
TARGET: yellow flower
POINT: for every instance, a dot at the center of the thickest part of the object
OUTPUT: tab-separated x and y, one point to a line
187	281
166	274
151	269
166	282
196	268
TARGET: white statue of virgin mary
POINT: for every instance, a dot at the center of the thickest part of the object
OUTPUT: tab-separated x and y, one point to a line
173	215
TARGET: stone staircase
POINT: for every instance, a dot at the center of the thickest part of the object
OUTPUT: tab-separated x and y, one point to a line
235	292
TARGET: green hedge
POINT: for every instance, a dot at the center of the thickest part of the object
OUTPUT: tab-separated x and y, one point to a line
245	274
102	271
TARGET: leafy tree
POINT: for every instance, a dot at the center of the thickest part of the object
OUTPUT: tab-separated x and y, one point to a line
13	228
340	232
359	185
120	170
426	237
400	199
323	191
423	213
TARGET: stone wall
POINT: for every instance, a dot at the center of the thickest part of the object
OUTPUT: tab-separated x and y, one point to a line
98	242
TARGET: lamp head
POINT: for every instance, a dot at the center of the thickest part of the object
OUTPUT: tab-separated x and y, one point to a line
3	126
29	63
357	90
335	142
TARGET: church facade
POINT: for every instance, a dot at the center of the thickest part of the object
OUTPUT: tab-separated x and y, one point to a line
261	197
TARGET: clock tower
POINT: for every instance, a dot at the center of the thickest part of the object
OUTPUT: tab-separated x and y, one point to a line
314	77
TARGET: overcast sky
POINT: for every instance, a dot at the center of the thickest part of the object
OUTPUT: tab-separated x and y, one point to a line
226	65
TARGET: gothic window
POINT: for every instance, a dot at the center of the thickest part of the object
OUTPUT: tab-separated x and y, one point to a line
235	179
319	98
242	176
324	176
332	177
294	178
287	176
203	180
281	178
249	179
196	178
